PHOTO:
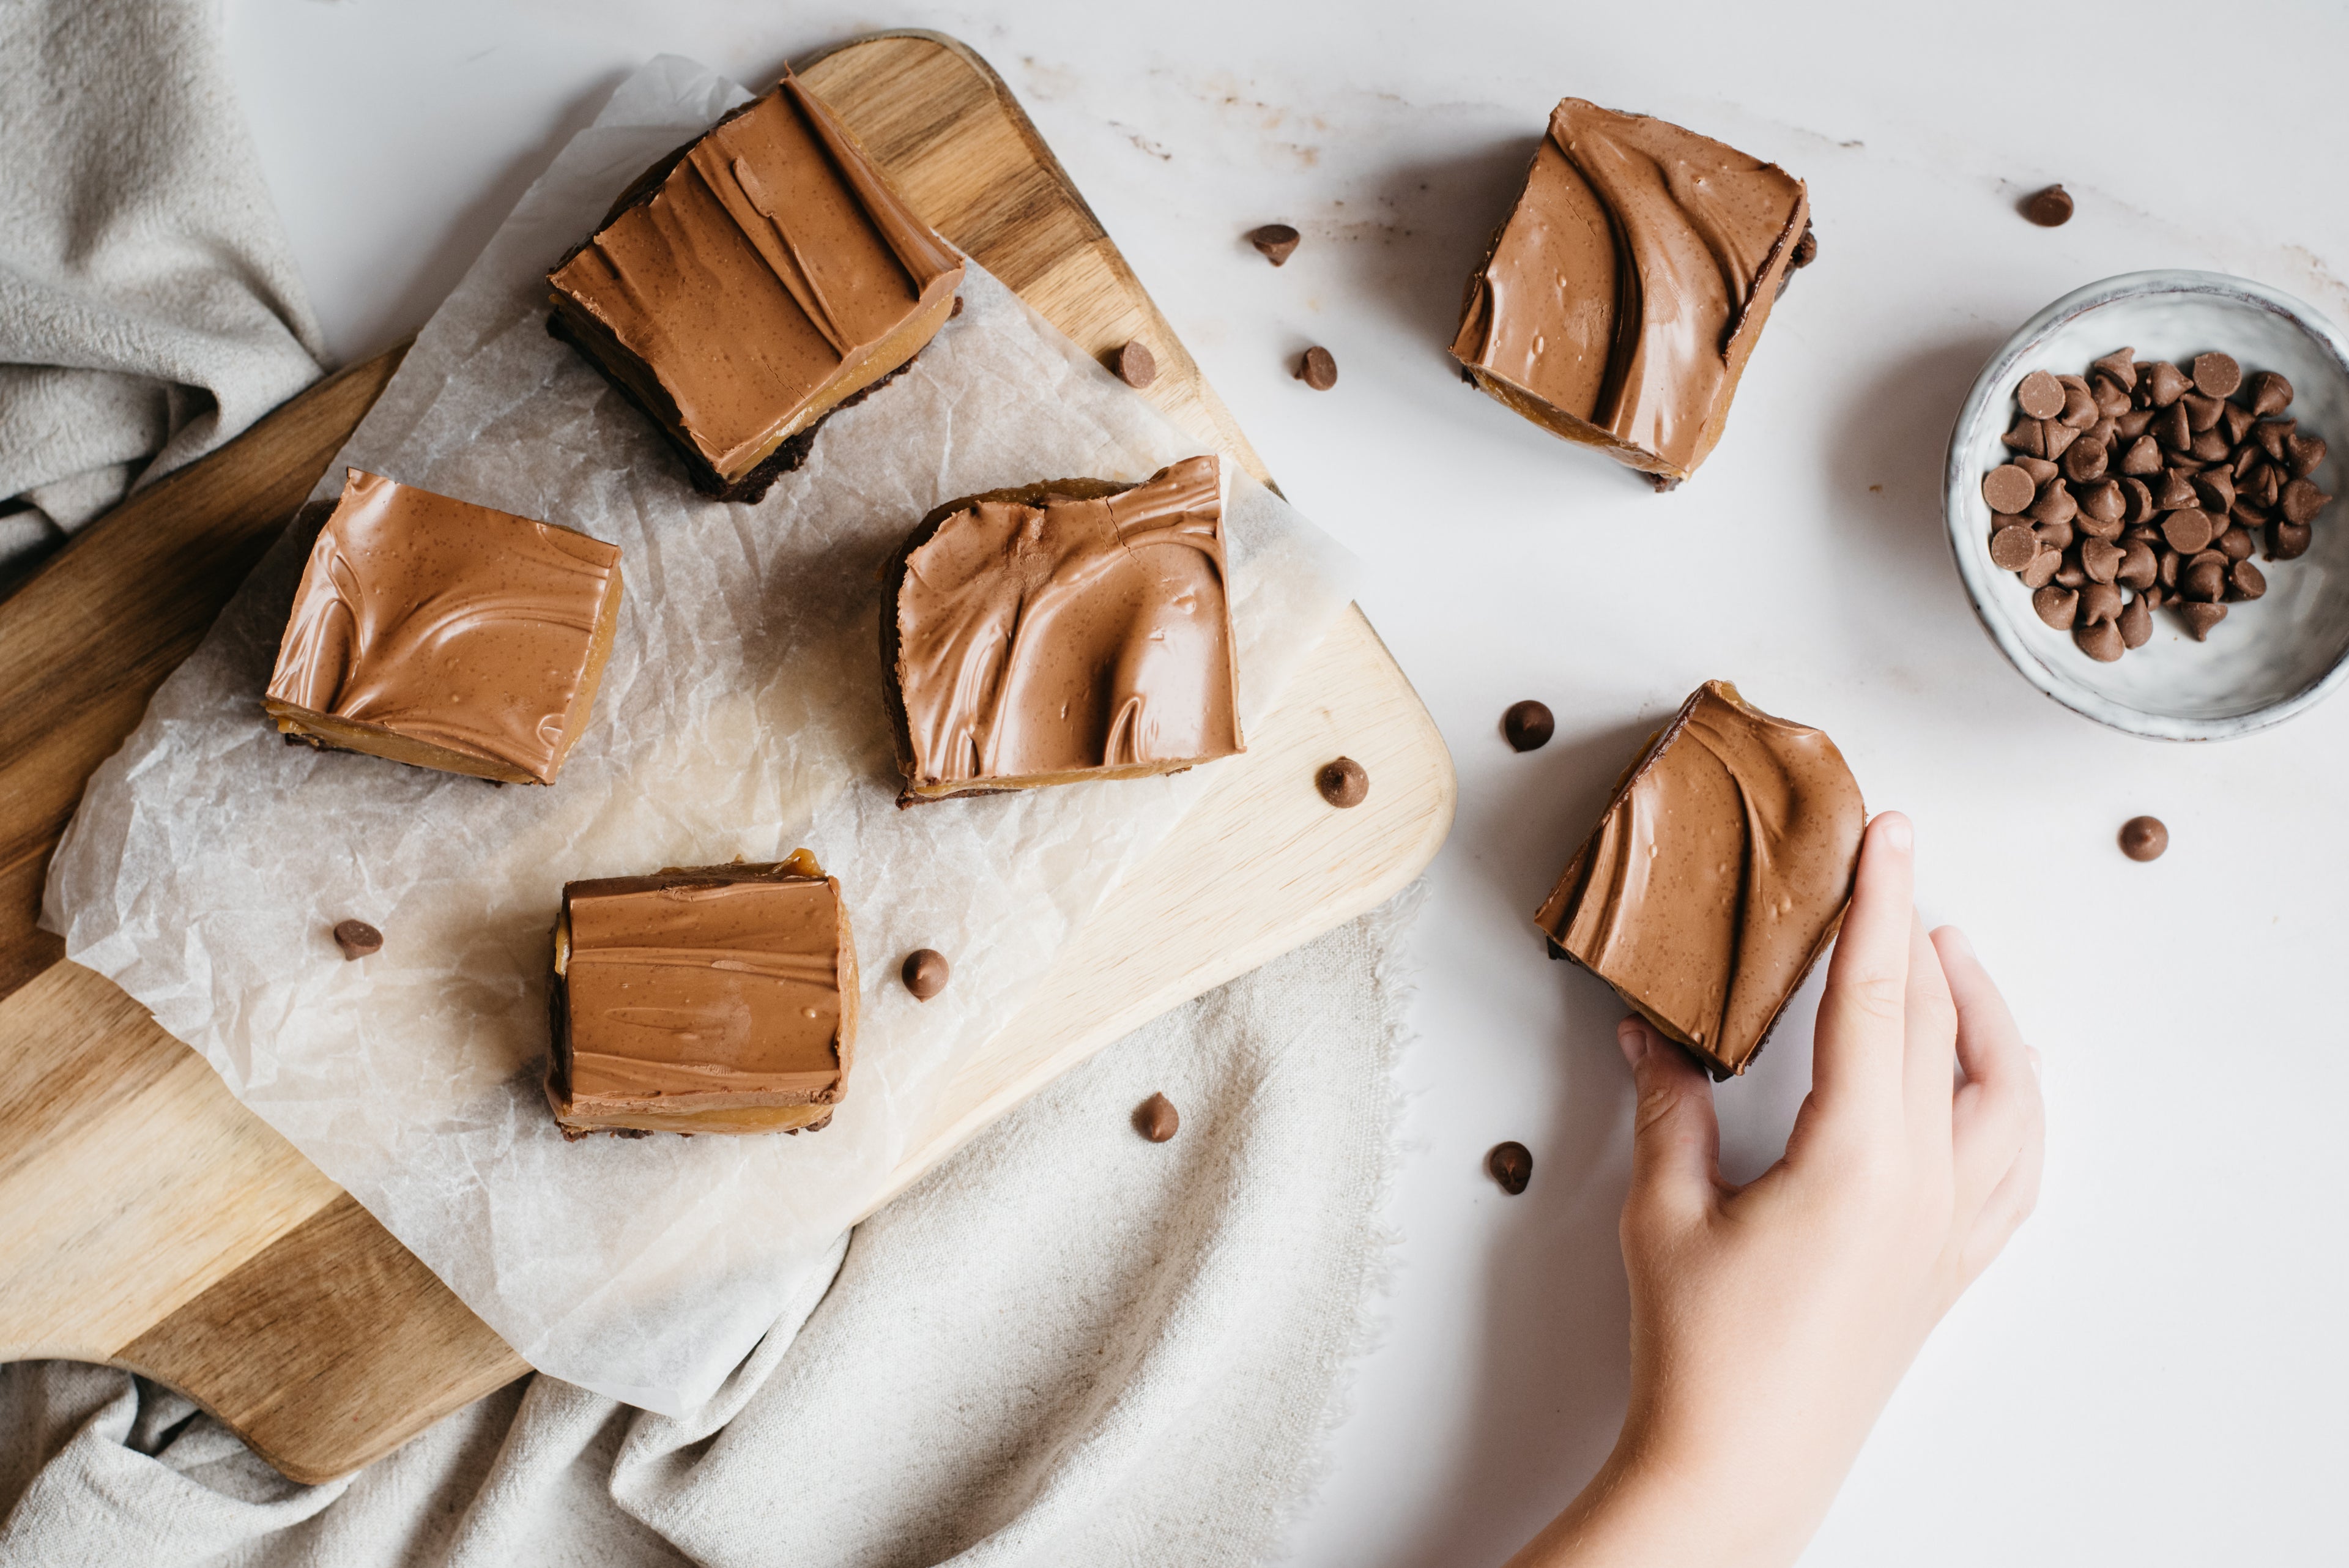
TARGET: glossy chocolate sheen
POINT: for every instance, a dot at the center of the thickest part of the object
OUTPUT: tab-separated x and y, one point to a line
713	999
1717	876
768	271
1078	629
424	624
1620	299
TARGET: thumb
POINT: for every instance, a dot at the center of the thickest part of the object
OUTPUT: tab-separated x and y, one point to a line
1675	1140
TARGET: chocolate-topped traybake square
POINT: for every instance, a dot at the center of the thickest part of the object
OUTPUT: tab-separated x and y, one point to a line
760	277
1075	630
710	999
430	631
1618	304
1716	876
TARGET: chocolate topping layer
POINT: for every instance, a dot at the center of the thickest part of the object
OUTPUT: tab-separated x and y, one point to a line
1717	876
434	631
754	280
1623	296
715	999
1076	629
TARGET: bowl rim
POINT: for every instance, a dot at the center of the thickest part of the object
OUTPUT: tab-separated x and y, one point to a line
1960	483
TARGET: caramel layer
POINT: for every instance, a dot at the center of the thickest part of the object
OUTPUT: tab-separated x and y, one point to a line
767	273
1067	631
1717	876
1623	296
433	631
709	1000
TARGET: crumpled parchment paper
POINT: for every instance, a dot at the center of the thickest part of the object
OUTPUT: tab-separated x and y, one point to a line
740	714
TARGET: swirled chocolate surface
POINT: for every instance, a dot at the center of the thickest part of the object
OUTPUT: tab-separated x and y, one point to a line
1064	631
1629	281
1717	875
722	988
770	271
467	628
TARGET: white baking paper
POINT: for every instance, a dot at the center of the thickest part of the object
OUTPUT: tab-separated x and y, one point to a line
740	714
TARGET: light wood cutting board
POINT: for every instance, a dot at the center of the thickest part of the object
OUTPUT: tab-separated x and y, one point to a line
148	1220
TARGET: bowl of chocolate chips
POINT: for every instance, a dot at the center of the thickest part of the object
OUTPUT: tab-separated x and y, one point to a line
2140	498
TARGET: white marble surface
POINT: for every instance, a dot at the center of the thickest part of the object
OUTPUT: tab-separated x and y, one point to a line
2154	1373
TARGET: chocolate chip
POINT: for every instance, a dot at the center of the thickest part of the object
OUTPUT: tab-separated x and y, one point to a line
2055	505
2039	468
2302	453
2136	500
357	938
2028	436
2287	541
1136	366
2216	375
957	306
2041	570
2051	536
925	972
2205	582
2100	640
2139	566
2161	385
2144	838
2100	561
2201	412
2188	529
2170	561
2245	581
2050	208
1342	782
2174	491
2268	393
2216	491
2057	436
1512	1165
2112	398
2136	623
1157	1119
1529	725
2210	446
2080	408
2301	501
2041	394
2068	575
2133	424
2119	366
2104	503
2008	489
1318	369
2084	462
1277	240
2236	421
2056	606
2248	515
2012	548
2201	618
2235	544
2173	430
2099	602
2272	435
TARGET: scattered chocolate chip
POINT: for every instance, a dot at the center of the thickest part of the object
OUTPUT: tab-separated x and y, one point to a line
2055	505
2039	468
1278	242
2236	421
1512	1165
1157	1119
2173	430
925	972
2135	623
2216	375
1342	782
2144	838
2245	581
2099	602
1806	249
2268	393
2042	569
1318	369
2174	491
2041	394
2188	529
2080	410
2138	568
2301	501
2119	367
2235	544
2011	548
2162	384
2200	618
2099	639
957	306
1529	725
2069	575
2059	607
357	938
2100	561
2027	437
2216	491
2302	453
2057	436
2142	457
2105	502
1135	365
2272	435
2112	398
2050	209
2204	581
2050	536
2132	424
2201	412
2287	541
2084	462
2008	489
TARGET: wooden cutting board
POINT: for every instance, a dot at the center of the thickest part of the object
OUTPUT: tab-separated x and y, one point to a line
147	1219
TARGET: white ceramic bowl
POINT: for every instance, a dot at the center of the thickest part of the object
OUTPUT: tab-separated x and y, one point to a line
2272	657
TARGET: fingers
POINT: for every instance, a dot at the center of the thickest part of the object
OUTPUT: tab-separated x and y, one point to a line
2000	1100
1857	1064
1675	1139
1928	1065
2010	1203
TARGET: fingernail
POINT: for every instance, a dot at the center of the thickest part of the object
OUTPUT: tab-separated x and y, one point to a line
1957	939
1632	1036
1899	833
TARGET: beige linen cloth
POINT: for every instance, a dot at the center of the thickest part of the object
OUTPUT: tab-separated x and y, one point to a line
150	308
1067	1345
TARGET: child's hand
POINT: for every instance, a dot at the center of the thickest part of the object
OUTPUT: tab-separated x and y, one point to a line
1769	1323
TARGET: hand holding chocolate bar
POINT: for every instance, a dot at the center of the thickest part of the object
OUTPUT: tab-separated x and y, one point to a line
1770	1322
